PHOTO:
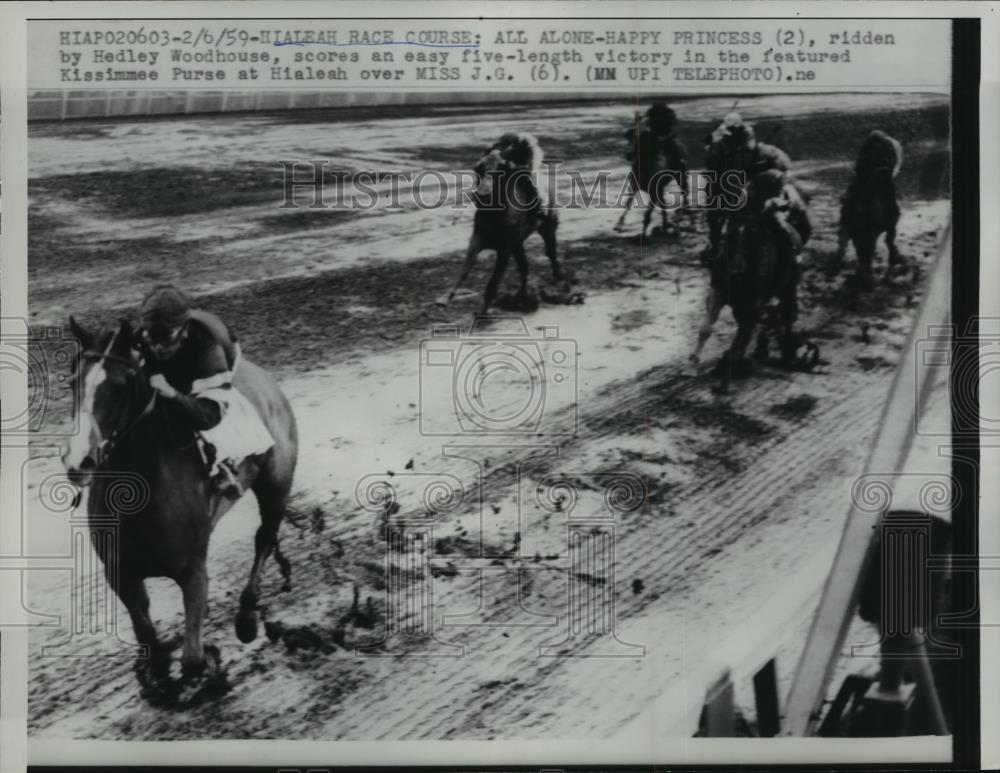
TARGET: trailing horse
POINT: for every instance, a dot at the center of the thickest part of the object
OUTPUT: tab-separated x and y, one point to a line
509	209
754	265
870	207
657	160
125	436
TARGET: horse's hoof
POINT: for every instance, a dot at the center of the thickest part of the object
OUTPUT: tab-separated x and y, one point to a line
206	668
161	693
246	627
208	683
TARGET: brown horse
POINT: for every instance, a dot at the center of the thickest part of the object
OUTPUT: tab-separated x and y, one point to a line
753	266
870	207
508	211
123	429
656	162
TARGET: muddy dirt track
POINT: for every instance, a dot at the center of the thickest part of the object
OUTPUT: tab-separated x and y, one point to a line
742	490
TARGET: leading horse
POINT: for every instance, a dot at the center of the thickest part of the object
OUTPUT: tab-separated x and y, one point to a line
754	265
125	435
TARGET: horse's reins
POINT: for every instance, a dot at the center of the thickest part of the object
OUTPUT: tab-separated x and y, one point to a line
106	445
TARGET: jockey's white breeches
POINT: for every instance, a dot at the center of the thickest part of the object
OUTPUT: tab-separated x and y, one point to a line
241	431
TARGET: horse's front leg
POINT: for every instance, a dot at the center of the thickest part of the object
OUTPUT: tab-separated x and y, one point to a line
475	247
503	255
647	218
620	225
740	366
521	260
864	246
195	657
843	239
895	258
713	306
789	310
548	231
152	667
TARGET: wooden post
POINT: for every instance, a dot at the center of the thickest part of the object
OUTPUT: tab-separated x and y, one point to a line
765	693
720	712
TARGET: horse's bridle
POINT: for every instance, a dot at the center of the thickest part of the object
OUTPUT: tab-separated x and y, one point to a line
106	446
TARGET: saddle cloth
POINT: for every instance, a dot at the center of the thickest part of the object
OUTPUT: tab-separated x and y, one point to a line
241	431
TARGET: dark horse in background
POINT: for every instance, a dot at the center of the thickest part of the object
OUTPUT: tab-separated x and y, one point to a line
126	436
870	207
752	267
658	158
509	209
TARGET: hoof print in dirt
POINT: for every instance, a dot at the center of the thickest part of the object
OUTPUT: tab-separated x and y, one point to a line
524	303
561	295
365	617
203	690
299	637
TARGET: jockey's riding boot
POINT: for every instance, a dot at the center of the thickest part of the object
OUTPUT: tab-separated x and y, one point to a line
227	480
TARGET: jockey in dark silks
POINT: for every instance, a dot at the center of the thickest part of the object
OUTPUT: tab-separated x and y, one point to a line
765	168
661	123
520	152
189	356
879	158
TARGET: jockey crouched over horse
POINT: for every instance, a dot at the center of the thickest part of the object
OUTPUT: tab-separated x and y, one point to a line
870	207
176	407
755	250
512	202
657	157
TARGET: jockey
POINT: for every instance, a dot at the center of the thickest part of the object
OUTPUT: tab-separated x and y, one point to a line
190	356
661	121
879	154
767	166
716	163
521	152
